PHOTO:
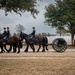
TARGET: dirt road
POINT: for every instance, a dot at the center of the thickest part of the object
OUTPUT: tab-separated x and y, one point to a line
51	54
41	63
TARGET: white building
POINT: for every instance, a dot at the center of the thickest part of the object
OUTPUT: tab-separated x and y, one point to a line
66	38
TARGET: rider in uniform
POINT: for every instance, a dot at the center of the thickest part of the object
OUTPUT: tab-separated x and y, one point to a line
8	33
32	35
4	33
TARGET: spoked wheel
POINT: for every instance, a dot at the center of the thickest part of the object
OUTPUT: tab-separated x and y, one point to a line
59	45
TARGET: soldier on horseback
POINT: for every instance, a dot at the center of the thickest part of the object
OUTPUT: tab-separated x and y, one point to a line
6	34
32	35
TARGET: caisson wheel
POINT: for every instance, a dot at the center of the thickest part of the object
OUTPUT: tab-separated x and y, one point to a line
59	45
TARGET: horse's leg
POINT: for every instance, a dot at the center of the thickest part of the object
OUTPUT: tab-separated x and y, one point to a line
43	48
46	47
26	50
15	46
18	49
6	48
14	49
10	48
39	47
2	49
46	43
32	46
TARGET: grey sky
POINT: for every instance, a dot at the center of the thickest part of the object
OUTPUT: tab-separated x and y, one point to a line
27	20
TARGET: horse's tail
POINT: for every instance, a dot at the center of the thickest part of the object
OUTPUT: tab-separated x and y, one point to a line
20	43
45	41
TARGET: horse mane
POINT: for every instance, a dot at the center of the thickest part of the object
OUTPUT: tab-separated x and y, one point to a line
23	34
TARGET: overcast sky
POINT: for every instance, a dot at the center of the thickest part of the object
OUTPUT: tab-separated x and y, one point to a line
27	20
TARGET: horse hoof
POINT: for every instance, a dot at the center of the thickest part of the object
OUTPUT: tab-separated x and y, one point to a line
25	51
14	51
37	50
47	49
1	52
18	52
33	51
43	50
8	51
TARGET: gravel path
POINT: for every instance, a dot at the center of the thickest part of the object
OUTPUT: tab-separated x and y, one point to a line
51	54
41	63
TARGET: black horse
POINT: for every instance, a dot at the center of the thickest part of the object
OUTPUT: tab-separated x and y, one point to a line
39	40
15	43
1	43
12	42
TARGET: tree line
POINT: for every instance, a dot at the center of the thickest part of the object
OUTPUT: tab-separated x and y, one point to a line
61	15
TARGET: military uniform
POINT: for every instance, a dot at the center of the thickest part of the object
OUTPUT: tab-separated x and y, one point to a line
33	35
4	33
7	34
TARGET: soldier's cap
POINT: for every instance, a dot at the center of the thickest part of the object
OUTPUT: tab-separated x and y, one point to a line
33	27
7	27
4	28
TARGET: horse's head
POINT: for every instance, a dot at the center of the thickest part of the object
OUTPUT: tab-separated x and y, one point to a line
24	36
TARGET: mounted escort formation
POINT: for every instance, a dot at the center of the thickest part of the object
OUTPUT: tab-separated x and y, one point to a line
59	44
13	41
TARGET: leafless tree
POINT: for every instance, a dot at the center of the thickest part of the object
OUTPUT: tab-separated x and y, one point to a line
19	28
